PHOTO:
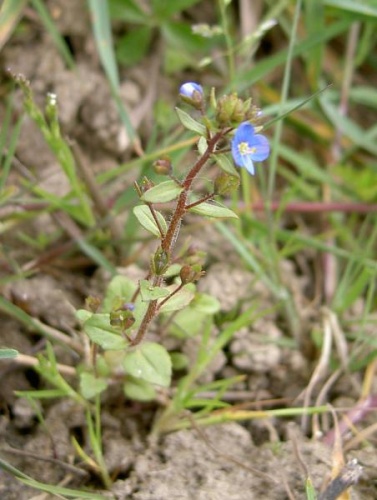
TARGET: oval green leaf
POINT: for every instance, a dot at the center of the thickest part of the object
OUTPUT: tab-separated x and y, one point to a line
179	300
225	164
163	192
189	122
150	362
91	386
212	210
149	292
139	390
120	289
99	330
145	217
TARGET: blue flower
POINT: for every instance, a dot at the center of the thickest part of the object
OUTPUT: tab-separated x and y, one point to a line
248	147
190	89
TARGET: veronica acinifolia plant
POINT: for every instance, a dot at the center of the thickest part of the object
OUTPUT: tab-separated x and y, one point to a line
118	327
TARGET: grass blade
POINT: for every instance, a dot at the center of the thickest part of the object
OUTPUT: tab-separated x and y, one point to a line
54	33
102	32
10	13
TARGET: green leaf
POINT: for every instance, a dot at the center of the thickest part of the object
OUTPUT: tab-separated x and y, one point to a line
183	327
309	489
179	361
83	315
145	217
42	394
8	353
99	330
356	8
149	292
120	289
163	192
96	255
165	10
206	304
10	13
202	145
128	11
212	210
91	386
181	38
225	164
172	270
180	299
139	390
189	122
149	362
133	46
101	22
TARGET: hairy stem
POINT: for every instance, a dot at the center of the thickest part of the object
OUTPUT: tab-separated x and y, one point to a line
168	241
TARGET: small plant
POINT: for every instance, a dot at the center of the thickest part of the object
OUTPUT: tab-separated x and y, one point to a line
118	328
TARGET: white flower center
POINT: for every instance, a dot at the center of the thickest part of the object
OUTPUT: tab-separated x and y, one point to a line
245	149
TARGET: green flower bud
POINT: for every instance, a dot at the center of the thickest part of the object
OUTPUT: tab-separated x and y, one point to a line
162	166
145	185
231	110
122	319
160	262
92	303
226	183
190	274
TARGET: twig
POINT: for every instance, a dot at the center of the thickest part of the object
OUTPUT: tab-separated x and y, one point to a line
321	367
349	475
25	360
28	454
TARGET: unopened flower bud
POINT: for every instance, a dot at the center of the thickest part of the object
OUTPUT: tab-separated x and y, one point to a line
122	319
190	274
231	110
192	93
92	303
226	183
145	185
162	166
160	262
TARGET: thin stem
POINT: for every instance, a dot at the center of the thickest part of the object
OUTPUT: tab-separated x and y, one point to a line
199	202
153	212
168	241
228	40
170	296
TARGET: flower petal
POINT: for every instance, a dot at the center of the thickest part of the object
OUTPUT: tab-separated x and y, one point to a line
244	133
249	164
188	89
262	146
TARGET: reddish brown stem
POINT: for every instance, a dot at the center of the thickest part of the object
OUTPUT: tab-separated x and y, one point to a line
168	241
179	287
202	200
319	207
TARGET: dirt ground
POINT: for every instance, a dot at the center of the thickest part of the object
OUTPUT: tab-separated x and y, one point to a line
261	459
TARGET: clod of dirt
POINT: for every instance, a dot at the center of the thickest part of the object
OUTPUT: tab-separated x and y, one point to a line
256	349
185	466
227	284
45	298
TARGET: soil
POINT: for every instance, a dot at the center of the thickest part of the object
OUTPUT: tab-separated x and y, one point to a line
259	459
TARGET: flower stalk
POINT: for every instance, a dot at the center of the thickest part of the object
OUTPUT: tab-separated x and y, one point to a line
247	147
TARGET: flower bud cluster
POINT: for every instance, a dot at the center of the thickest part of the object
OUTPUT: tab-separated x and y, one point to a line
231	111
